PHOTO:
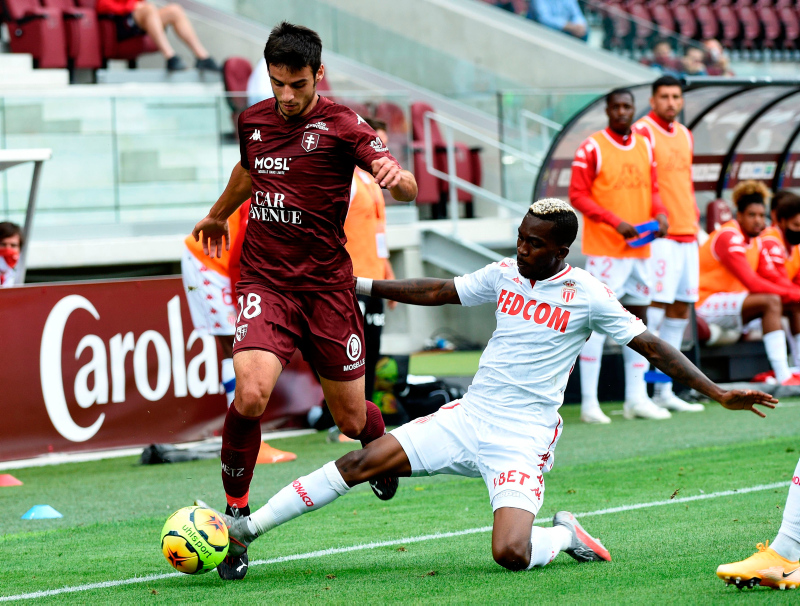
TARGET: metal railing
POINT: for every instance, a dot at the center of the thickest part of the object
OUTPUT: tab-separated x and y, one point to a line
544	135
454	181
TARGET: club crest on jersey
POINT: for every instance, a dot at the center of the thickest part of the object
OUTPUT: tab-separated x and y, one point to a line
568	291
310	141
241	332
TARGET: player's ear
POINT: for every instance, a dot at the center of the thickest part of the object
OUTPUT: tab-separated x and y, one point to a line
563	251
320	74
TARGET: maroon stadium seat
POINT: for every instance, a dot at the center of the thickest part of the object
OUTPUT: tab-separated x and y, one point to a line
617	25
235	74
465	163
686	21
38	31
83	34
643	27
791	26
393	115
770	26
707	19
729	22
750	26
717	212
126	50
663	17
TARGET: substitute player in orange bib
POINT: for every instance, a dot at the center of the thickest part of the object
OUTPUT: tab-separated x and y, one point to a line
732	292
298	154
674	257
614	185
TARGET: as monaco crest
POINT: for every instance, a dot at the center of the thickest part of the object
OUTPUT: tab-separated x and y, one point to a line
241	332
568	292
310	141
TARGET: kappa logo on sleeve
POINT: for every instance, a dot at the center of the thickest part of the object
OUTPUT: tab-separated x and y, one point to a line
256	136
310	141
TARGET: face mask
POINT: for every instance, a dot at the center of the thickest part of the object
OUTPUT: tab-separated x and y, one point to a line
11	256
792	236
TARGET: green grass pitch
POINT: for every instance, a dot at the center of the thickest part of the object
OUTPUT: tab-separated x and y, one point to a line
114	509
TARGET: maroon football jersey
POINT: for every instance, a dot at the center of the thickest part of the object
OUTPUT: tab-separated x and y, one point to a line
301	172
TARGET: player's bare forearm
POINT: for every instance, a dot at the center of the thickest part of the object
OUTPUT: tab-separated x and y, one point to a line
417	291
677	366
238	189
406	189
673	363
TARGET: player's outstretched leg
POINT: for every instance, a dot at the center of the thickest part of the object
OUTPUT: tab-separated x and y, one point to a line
583	546
382	457
384	487
773	566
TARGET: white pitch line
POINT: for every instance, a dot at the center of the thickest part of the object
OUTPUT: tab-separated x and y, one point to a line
377	544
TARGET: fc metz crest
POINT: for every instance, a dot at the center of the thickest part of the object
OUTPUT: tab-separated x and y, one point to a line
241	332
310	141
568	292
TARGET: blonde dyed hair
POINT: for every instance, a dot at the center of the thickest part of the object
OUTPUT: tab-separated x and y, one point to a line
750	187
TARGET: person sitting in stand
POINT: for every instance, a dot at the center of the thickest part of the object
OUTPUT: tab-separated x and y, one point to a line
10	248
135	18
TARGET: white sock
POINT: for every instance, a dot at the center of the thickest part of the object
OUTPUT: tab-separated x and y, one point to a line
775	344
228	379
635	367
655	315
589	361
672	330
305	494
796	339
547	543
787	543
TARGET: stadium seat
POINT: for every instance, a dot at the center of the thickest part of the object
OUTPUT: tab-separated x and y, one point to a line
707	19
618	27
467	159
83	34
791	26
393	115
731	29
664	18
750	27
126	50
685	20
770	26
235	74
717	212
643	27
38	31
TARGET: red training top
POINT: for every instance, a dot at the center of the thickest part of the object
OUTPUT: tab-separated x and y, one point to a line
115	7
302	170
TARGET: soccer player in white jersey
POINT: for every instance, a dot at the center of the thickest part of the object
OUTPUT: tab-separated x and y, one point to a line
506	427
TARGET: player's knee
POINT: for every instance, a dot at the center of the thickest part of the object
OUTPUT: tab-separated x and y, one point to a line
351	426
251	399
772	303
512	556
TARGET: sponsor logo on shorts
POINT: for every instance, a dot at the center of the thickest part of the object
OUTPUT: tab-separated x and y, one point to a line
241	332
309	141
354	347
353	366
515	477
796	480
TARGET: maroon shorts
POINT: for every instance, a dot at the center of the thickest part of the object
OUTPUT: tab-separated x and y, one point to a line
327	327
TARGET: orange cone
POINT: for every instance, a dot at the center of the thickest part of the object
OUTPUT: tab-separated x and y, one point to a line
6	479
268	454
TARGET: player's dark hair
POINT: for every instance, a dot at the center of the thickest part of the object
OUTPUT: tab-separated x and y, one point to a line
750	192
666	81
375	124
746	200
618	91
294	47
779	198
788	205
566	221
9	229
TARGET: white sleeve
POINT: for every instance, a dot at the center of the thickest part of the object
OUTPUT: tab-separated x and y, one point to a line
609	317
478	287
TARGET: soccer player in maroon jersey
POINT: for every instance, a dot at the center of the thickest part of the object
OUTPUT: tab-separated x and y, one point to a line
298	153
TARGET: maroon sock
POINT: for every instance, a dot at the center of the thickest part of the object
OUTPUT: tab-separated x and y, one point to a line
375	426
241	440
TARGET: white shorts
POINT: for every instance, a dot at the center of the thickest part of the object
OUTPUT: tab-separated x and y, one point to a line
676	269
511	464
723	309
209	296
630	279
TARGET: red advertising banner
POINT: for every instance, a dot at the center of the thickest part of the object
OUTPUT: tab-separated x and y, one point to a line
95	365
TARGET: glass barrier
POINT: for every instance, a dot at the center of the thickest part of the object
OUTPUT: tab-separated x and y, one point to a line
123	161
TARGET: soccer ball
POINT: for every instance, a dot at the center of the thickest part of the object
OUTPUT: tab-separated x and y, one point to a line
194	540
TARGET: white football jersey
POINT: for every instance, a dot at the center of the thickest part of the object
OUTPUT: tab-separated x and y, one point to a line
541	329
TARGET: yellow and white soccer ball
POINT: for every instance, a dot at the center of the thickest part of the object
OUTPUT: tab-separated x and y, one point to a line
194	540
